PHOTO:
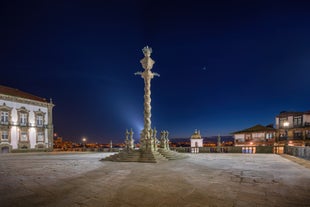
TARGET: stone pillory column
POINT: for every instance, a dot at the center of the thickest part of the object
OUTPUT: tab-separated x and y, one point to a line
149	151
147	63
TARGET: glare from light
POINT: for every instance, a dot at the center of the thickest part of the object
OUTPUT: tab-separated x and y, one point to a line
286	124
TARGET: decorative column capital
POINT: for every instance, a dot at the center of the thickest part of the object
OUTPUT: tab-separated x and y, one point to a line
147	51
147	62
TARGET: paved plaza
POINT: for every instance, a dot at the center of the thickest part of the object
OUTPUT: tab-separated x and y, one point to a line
80	179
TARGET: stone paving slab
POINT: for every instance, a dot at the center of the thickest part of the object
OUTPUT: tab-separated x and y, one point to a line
301	161
80	179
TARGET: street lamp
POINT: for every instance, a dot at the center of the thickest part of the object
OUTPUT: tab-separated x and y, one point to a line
286	124
84	143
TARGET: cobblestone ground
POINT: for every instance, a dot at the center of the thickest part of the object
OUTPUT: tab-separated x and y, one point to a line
80	179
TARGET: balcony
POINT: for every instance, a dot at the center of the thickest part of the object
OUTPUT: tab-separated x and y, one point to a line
4	122
284	138
4	139
301	125
23	124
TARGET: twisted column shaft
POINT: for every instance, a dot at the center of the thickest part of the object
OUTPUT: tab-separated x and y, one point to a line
147	75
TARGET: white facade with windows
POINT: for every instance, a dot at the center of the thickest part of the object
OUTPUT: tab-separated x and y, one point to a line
196	141
25	121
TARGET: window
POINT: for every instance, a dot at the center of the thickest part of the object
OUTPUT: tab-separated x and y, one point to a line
248	138
23	119
257	135
23	136
297	135
4	135
297	121
22	116
40	137
39	120
4	117
269	135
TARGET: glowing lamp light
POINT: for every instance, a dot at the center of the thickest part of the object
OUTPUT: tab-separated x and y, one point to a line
286	124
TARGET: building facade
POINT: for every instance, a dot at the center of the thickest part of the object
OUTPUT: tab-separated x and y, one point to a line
293	128
257	135
26	121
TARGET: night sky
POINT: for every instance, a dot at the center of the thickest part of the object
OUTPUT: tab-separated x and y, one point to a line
224	65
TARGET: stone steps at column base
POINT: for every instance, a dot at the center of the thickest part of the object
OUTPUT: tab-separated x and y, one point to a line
151	156
171	155
136	156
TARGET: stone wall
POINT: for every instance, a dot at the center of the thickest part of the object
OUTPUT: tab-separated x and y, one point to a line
229	149
302	152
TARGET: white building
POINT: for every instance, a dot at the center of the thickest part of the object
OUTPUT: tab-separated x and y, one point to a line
196	141
25	121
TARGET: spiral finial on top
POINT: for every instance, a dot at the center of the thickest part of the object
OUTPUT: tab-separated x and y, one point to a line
147	51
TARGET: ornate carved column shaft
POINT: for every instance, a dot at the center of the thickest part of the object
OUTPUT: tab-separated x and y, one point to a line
147	63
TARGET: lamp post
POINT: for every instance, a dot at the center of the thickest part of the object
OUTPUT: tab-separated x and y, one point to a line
84	143
286	126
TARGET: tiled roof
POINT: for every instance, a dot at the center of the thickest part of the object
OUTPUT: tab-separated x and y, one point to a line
17	93
290	113
256	128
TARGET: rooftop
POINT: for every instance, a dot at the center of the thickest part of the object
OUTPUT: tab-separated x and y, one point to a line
17	93
291	113
256	128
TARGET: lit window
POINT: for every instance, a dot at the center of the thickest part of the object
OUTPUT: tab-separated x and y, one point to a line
23	119
4	117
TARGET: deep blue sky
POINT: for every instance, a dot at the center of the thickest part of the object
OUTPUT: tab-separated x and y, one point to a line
224	65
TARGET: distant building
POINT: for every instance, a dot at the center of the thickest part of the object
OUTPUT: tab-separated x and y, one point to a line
58	143
25	121
196	141
293	128
257	135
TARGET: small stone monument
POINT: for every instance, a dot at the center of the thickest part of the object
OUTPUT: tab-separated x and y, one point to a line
164	140
131	140
219	143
